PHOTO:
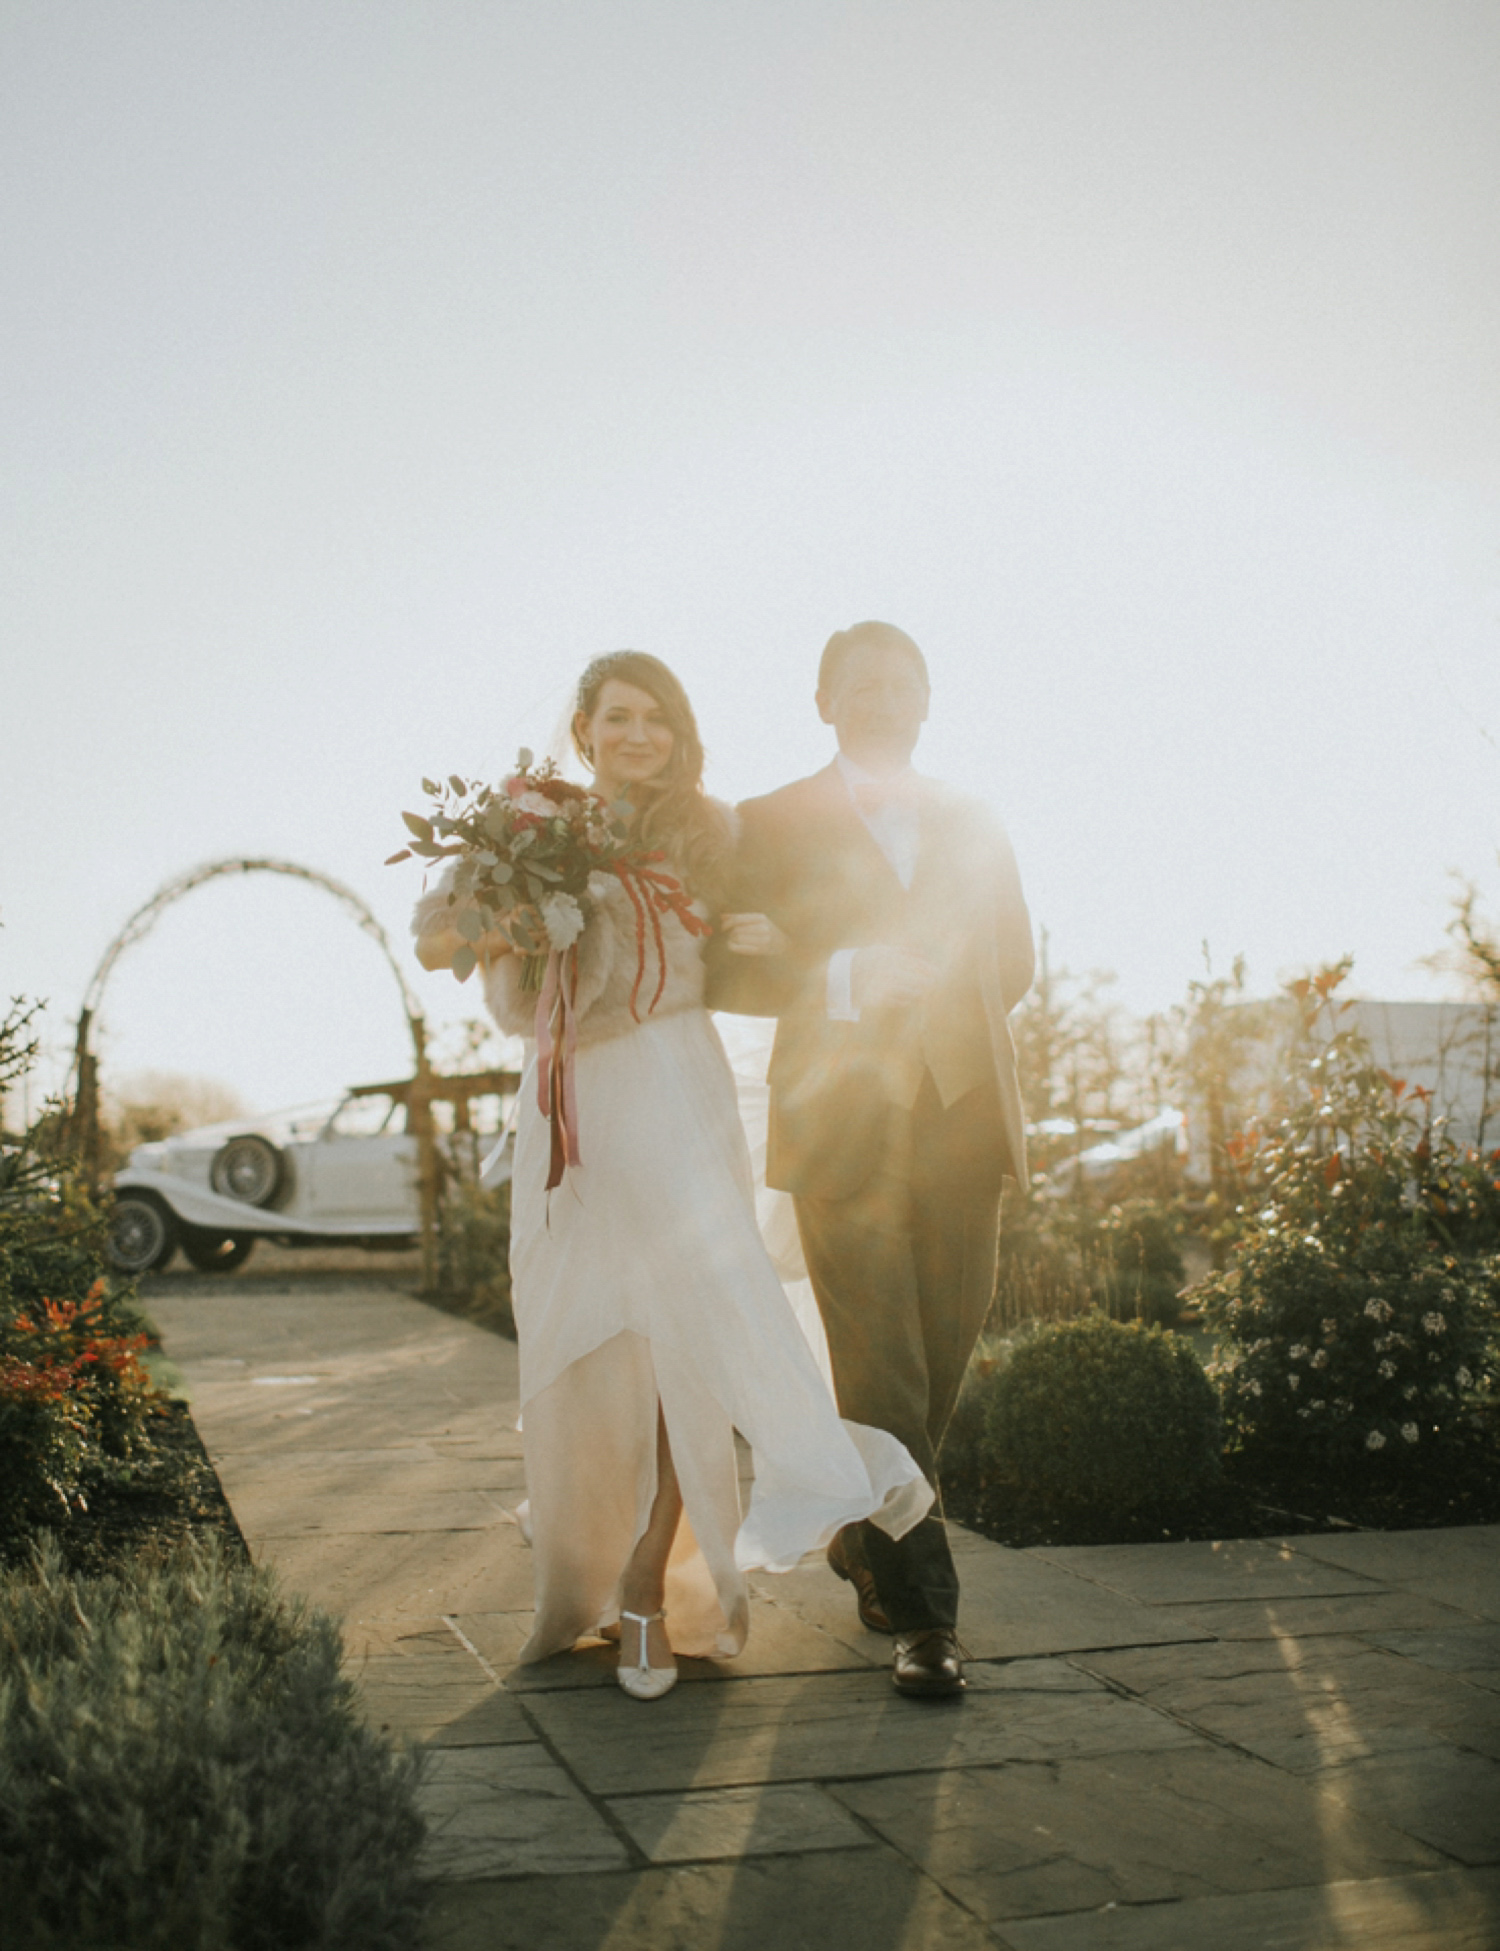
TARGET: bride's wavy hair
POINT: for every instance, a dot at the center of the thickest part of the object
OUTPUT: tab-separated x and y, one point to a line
674	812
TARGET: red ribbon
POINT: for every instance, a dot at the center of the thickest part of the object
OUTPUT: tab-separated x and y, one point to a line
652	895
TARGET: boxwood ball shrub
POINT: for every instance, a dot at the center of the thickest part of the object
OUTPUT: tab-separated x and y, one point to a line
183	1768
1097	1413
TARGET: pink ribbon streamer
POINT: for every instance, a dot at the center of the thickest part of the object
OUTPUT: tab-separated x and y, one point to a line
556	1088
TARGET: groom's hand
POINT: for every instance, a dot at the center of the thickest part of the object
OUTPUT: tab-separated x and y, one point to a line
890	978
752	935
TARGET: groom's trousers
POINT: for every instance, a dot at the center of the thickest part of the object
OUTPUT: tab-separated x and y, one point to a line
904	1273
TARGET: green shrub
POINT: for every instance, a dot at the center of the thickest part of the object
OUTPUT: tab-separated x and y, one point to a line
1355	1318
182	1768
474	1254
1327	1354
1060	1256
1140	1267
76	1401
1092	1412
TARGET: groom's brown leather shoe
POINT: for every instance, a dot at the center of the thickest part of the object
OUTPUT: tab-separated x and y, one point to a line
871	1612
928	1663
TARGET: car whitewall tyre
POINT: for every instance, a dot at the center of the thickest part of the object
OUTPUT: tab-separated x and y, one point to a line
248	1168
142	1234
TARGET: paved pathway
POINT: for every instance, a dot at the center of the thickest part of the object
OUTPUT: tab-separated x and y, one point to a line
1250	1744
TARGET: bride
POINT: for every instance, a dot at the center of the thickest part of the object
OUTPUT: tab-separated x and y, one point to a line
651	1322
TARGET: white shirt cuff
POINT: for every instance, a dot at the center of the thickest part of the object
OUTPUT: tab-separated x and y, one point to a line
841	986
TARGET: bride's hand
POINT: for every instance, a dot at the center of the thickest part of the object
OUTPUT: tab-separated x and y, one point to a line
752	935
440	941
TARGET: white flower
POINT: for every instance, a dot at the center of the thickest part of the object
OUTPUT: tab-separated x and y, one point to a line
1434	1324
1320	1360
1374	1441
1253	1387
1464	1379
1378	1310
1293	1380
1297	1353
1409	1432
562	918
1387	1369
534	803
1330	1325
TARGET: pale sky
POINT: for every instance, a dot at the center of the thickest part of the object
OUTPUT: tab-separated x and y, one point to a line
370	367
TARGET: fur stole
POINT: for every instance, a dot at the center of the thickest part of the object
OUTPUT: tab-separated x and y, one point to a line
608	961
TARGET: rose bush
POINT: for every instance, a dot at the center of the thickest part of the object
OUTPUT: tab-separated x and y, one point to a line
1357	1316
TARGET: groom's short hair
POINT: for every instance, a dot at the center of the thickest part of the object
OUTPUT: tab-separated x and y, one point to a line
842	645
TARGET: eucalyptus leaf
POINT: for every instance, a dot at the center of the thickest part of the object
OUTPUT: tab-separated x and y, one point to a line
405	854
470	924
543	872
465	961
460	786
431	788
501	872
416	824
523	759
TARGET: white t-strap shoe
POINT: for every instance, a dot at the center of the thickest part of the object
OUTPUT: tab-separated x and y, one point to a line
643	1681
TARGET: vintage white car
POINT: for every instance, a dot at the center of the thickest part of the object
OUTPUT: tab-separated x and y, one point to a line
326	1174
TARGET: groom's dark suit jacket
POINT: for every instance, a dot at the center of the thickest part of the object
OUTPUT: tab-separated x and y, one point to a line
808	860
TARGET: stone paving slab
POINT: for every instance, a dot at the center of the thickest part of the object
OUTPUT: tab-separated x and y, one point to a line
510	1811
1371	1614
784	1819
1442	1794
369	1474
269	1510
827	1901
1176	1574
1074	1835
436	1692
1459	1566
1311	1704
1016	1604
837	1725
405	1575
1444	1911
1472	1651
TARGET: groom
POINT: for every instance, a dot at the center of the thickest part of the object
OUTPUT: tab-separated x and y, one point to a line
895	1113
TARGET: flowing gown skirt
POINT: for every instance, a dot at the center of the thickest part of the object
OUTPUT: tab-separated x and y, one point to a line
642	1280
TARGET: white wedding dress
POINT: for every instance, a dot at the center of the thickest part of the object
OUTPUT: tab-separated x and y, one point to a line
642	1278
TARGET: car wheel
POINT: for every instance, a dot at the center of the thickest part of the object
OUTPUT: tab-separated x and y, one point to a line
217	1253
248	1169
142	1234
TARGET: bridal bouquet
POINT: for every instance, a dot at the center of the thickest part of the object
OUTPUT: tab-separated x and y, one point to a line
528	852
525	852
